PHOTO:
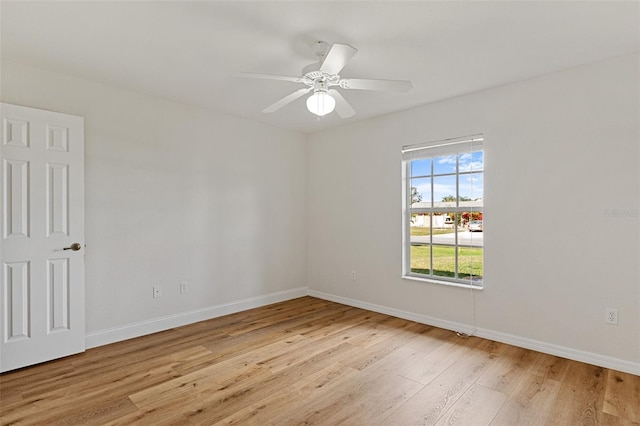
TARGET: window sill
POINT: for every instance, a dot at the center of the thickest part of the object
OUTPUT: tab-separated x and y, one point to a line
443	282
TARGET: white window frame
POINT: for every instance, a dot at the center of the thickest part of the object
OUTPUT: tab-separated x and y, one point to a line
431	150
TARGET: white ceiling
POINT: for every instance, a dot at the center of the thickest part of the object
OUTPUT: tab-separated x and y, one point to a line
190	51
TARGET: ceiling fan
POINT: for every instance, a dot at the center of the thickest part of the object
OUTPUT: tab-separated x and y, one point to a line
321	77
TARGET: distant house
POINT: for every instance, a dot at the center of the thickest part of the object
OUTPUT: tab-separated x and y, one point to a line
443	217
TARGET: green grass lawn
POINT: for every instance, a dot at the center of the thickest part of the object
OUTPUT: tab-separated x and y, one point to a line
469	261
420	231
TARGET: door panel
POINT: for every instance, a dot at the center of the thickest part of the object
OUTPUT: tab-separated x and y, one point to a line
58	295
57	199
42	290
17	315
16	206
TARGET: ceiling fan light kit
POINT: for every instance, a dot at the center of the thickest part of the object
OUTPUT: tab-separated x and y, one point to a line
321	76
321	103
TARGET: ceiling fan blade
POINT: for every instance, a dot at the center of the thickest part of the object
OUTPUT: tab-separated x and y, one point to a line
368	84
287	99
343	109
337	58
270	77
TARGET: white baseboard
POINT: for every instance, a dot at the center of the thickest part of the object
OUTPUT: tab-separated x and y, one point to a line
548	348
142	328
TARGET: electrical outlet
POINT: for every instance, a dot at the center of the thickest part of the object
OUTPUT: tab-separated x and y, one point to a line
612	316
183	287
157	291
353	275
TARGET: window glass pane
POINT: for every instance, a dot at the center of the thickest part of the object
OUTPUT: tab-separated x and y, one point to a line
420	259
471	187
444	226
444	189
470	263
446	164
471	222
420	230
420	192
444	261
471	161
421	167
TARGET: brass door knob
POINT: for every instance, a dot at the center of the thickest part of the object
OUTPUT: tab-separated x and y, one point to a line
74	247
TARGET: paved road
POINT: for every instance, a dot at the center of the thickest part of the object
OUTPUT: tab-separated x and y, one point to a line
465	238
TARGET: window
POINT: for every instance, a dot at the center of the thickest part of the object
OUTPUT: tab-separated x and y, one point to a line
443	211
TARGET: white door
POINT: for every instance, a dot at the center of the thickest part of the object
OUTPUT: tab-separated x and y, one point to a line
42	250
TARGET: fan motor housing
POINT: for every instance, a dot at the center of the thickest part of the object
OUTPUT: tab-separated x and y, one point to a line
312	75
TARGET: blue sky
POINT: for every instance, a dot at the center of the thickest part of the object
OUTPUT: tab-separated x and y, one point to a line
471	185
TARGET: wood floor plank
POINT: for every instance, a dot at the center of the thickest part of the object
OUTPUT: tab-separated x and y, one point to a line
433	363
509	370
65	403
348	319
92	414
168	416
234	397
312	348
257	338
611	420
431	338
311	361
530	402
622	396
218	403
187	386
307	396
579	398
366	399
550	367
428	405
193	359
478	405
126	377
216	375
380	331
15	383
307	311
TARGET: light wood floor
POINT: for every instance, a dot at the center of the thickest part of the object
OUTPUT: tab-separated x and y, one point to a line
309	361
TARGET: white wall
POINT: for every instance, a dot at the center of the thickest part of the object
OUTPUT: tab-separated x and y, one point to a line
565	144
176	193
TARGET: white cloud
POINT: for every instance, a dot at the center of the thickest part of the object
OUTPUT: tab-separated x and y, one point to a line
471	166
